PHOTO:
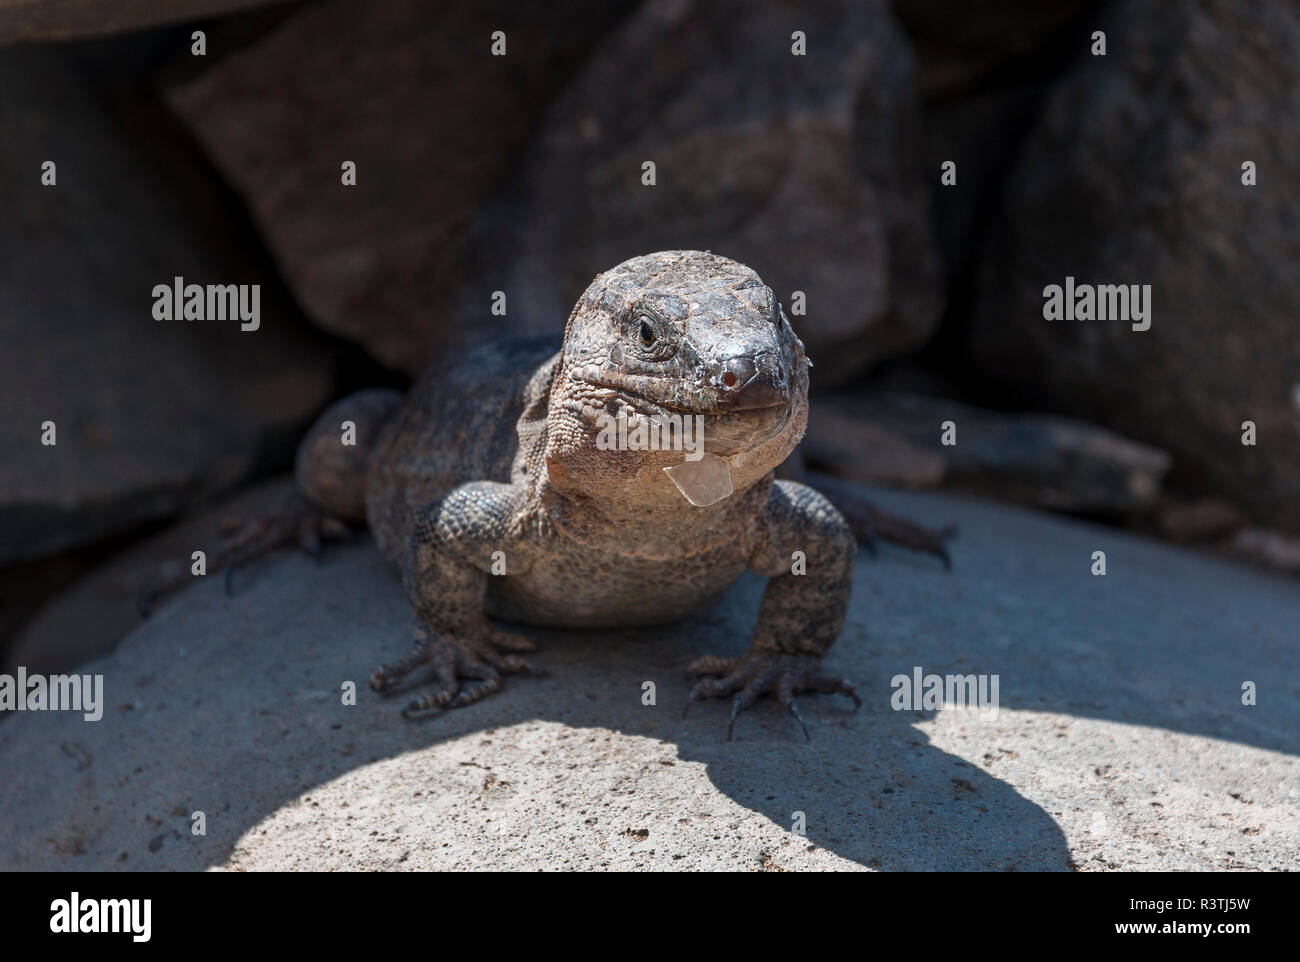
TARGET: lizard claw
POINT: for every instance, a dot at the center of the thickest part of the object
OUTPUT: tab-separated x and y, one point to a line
794	710
468	667
296	519
758	673
694	697
735	710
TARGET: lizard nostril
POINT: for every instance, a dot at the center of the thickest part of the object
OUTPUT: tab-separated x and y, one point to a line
737	372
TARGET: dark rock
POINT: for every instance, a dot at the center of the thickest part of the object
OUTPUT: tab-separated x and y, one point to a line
803	167
150	415
1206	519
410	93
840	440
65	19
1134	176
1039	459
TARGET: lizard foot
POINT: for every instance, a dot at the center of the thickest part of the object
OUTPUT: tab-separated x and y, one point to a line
764	672
296	520
481	659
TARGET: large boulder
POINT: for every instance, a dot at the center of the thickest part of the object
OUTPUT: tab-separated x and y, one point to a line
410	92
1121	740
801	166
1134	175
804	167
148	415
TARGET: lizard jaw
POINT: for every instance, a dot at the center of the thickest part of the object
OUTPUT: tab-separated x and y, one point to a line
737	431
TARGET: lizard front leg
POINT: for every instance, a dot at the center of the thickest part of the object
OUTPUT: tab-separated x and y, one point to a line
448	561
802	610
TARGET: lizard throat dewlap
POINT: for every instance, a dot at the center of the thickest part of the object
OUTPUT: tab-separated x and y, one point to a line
703	482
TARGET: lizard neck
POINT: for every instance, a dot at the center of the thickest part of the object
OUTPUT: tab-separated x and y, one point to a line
630	521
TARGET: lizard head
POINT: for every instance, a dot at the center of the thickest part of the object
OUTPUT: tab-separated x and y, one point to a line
686	342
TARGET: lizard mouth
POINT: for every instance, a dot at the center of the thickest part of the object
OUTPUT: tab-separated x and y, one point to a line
727	429
733	431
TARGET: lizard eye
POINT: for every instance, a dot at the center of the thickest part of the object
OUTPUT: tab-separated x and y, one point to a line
647	332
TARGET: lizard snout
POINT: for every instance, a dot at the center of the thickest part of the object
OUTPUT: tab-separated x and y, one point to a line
748	383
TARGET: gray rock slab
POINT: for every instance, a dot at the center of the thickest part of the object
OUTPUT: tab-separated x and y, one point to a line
1121	741
92	615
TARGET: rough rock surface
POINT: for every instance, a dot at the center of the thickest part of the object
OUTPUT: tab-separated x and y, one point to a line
65	19
338	82
1038	459
1134	176
148	414
803	167
1121	740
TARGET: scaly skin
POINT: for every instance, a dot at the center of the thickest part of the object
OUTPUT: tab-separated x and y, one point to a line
603	538
488	488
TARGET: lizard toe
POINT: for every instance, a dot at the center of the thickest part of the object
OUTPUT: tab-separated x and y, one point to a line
712	665
780	674
468	668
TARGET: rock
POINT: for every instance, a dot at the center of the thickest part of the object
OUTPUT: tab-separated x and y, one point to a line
841	441
1203	519
338	82
148	415
1040	459
1134	176
86	619
1269	547
65	19
1107	752
803	167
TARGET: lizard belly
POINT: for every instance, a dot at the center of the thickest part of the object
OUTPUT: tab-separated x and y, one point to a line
592	589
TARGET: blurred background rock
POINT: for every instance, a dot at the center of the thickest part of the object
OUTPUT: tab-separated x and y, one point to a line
523	174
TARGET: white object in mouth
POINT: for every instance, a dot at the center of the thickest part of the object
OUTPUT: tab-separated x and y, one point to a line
703	482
